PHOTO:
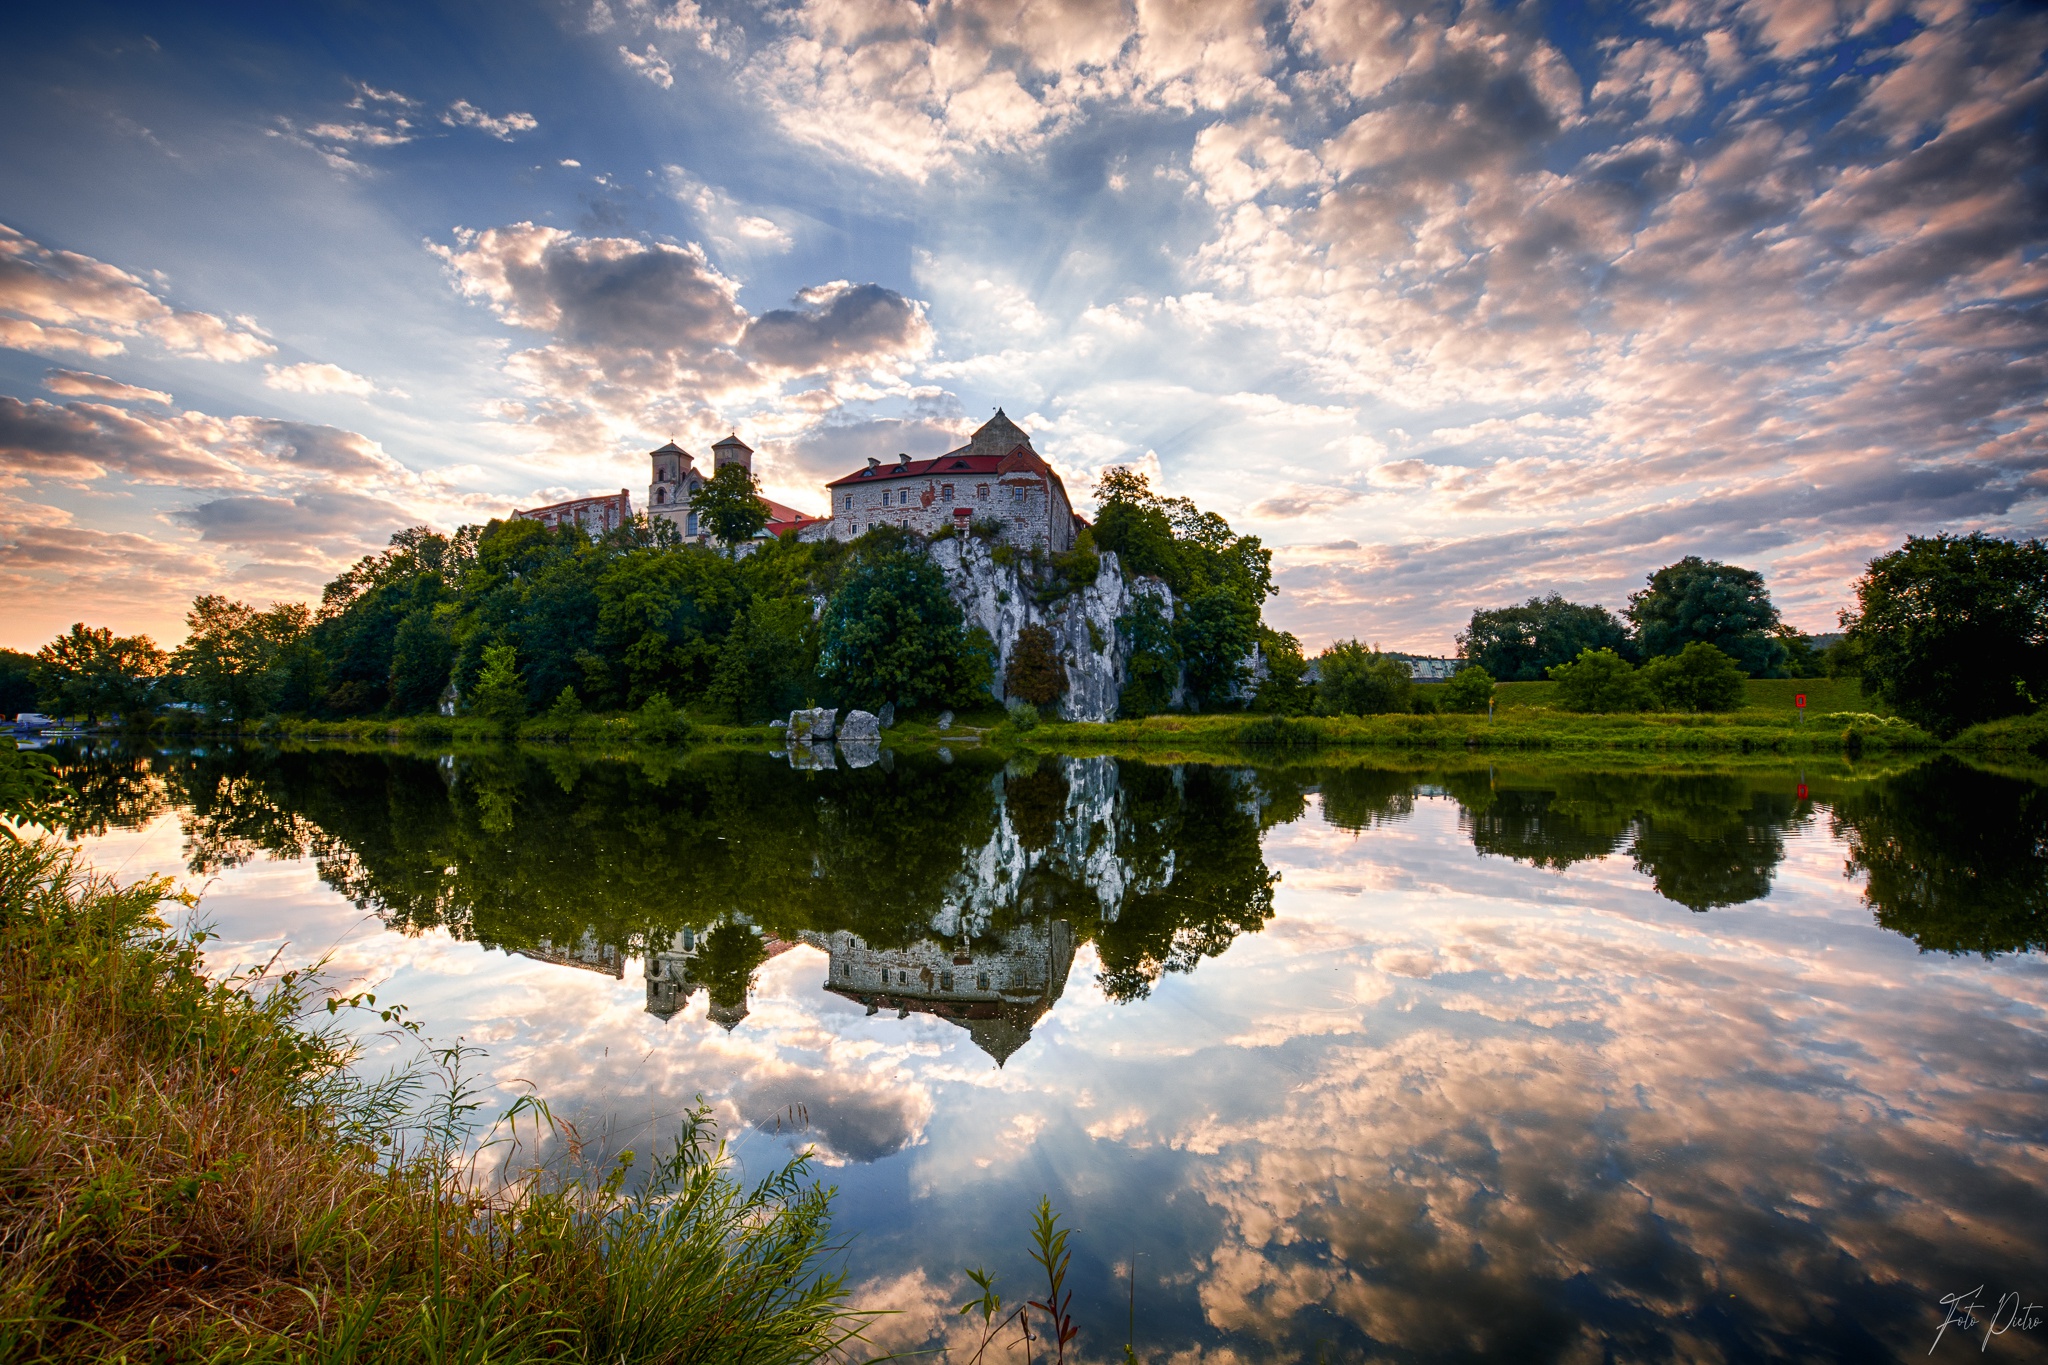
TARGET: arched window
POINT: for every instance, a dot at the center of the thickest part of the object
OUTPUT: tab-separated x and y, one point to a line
660	495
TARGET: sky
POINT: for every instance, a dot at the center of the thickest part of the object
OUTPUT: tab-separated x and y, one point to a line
1450	304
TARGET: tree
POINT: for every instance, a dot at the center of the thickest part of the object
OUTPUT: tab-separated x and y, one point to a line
1522	644
1713	603
499	693
1470	690
1953	630
1697	678
729	504
1284	691
1173	540
421	658
93	672
1215	629
1036	672
1600	680
1358	680
1151	658
892	633
238	661
17	682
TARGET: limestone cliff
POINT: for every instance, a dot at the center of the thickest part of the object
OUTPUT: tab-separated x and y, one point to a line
1000	599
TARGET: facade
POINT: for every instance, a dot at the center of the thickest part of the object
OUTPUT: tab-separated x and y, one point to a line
996	477
672	979
676	480
607	512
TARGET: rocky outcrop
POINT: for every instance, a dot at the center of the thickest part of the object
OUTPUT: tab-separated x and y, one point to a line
860	727
814	723
1001	600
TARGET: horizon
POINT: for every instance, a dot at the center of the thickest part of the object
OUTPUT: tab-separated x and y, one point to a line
1450	305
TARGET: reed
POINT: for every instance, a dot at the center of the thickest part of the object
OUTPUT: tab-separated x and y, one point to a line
188	1171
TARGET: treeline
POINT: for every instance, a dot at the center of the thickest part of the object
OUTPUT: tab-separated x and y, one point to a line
1949	631
515	618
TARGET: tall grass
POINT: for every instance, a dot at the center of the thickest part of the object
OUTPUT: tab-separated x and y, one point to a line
189	1172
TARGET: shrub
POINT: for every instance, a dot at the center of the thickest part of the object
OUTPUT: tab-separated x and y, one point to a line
1284	691
1699	677
659	721
1359	680
1519	644
1036	672
1281	732
1600	680
1022	714
1469	691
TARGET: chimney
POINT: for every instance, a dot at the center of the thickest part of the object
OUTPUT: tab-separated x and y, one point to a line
902	460
873	464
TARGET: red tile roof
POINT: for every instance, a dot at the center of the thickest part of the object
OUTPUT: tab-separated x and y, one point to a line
953	462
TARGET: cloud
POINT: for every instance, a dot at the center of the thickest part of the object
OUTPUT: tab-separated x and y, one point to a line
311	377
463	114
83	384
61	300
651	64
258	520
649	336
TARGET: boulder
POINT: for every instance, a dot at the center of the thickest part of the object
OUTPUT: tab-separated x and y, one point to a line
861	727
863	753
945	720
812	757
814	723
887	714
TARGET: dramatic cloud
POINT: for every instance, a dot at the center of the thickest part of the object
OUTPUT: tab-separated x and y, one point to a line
63	301
649	336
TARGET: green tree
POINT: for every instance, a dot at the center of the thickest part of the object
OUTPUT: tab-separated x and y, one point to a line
1173	540
1216	629
1469	690
499	693
1285	691
240	662
1953	630
893	634
1151	658
729	505
1522	644
1706	601
18	691
1035	673
421	658
1357	680
1699	677
1600	680
94	673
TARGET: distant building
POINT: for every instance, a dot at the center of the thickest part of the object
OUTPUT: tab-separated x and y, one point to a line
996	478
672	979
589	954
1429	667
594	515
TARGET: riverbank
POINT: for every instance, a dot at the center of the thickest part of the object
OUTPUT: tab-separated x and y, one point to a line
192	1173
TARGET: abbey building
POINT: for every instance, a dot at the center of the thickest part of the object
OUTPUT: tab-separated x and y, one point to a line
995	482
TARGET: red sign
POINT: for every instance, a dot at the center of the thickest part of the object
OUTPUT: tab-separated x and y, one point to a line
1802	791
1800	701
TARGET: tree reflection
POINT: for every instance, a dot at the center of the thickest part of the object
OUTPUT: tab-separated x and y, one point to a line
104	787
1957	858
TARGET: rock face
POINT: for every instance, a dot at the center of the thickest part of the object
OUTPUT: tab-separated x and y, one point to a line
860	727
815	723
997	598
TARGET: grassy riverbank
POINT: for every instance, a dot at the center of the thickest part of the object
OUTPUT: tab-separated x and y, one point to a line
189	1173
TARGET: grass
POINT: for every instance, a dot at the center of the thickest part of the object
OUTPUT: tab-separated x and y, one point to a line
189	1172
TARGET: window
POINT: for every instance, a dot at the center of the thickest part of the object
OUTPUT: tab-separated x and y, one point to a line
946	491
903	498
660	495
1016	493
849	502
981	981
693	524
902	977
981	490
945	981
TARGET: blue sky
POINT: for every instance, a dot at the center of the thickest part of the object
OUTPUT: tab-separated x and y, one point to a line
1449	303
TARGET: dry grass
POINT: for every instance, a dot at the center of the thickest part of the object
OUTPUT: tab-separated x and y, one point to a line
188	1173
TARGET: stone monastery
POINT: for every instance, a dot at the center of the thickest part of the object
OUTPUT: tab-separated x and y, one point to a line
996	477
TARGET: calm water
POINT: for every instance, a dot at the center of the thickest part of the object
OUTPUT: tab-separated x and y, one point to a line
1425	1063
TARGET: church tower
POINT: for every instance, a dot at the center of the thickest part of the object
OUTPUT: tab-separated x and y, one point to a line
732	450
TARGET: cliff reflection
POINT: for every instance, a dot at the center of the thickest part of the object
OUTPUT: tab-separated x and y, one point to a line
955	889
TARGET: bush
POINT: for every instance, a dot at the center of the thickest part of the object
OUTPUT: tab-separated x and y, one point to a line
1022	714
1699	677
1469	691
1036	672
1358	680
1280	732
1600	680
1520	644
658	721
1284	691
